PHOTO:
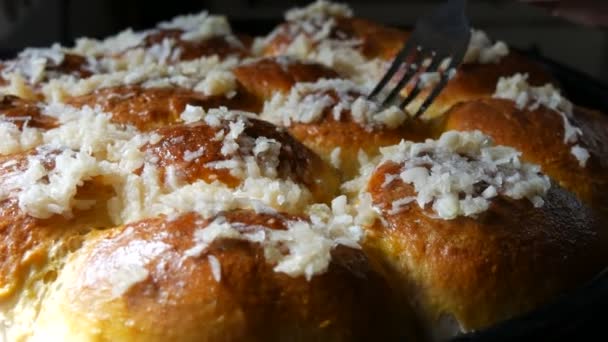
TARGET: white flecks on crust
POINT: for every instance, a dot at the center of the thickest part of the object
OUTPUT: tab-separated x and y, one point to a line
319	8
310	102
481	49
461	172
88	145
209	75
525	96
303	249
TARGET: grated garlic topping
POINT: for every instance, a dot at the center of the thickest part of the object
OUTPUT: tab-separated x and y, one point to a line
198	27
524	95
32	63
87	145
113	152
461	172
481	50
209	75
110	46
194	27
308	103
315	37
308	243
319	8
15	140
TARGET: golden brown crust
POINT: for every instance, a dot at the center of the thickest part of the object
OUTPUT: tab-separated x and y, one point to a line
481	270
19	111
269	75
78	277
28	242
150	108
180	299
73	64
189	50
539	135
296	161
326	135
474	81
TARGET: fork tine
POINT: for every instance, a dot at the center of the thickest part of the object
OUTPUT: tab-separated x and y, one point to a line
388	75
406	78
444	78
435	62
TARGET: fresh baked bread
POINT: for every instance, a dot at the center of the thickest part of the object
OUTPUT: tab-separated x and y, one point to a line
329	114
463	231
189	183
548	130
195	279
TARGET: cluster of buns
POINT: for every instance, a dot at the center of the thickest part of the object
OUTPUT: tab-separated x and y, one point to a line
187	183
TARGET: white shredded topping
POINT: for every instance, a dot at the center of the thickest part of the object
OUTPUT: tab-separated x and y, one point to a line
88	145
193	155
194	27
308	243
311	29
216	268
335	157
581	154
191	74
460	173
32	63
481	50
524	95
198	27
319	8
112	45
308	102
16	140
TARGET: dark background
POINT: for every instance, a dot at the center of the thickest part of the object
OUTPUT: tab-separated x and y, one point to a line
42	22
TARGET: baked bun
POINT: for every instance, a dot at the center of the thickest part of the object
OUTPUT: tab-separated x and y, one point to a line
374	40
152	280
563	140
475	80
330	115
194	152
266	76
20	111
149	108
36	235
219	45
471	253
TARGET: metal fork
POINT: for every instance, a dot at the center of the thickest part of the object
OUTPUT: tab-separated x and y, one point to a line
438	44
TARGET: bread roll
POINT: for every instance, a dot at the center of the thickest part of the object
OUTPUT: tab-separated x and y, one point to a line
483	266
540	134
267	76
149	108
308	111
177	148
375	41
478	80
158	288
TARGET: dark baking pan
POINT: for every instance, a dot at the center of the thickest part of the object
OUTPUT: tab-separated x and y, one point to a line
578	315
